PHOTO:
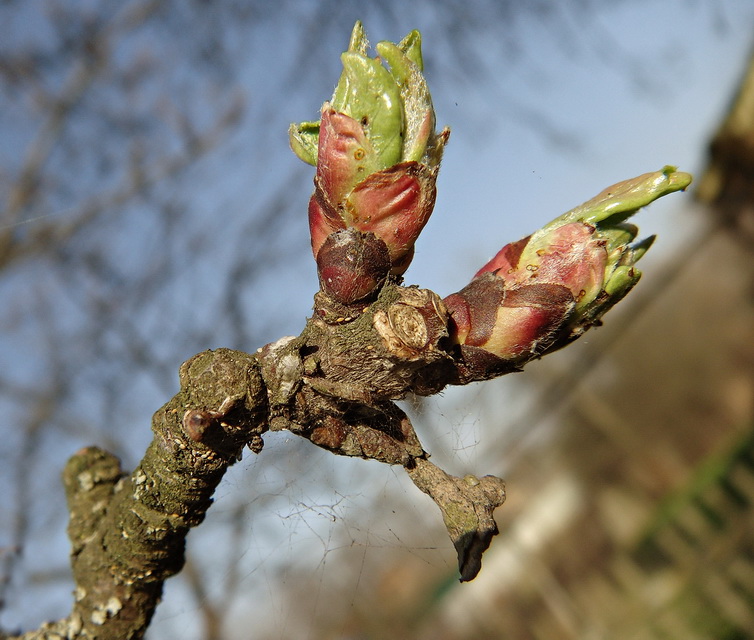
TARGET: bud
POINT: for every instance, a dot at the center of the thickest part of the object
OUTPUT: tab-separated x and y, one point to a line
352	265
375	148
540	293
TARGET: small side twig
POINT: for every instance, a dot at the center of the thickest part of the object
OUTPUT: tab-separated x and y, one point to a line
467	506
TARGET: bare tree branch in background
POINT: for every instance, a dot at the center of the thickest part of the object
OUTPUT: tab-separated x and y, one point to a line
104	234
727	183
82	101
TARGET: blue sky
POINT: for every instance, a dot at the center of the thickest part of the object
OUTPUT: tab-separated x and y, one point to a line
561	108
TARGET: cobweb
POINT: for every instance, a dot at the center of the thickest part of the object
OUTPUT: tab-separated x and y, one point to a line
311	538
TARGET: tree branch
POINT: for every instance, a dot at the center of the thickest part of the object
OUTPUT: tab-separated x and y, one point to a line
467	505
128	532
333	385
370	342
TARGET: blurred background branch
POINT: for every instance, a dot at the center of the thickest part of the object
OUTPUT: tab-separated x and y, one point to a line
151	210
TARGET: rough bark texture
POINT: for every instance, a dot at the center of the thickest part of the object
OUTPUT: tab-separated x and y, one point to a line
334	385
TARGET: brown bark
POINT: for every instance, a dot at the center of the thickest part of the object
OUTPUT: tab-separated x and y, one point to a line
334	385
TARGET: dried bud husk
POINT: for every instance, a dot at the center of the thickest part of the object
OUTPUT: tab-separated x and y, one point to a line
352	266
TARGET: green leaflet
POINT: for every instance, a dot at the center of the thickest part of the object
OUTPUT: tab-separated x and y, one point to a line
357	44
411	45
638	249
393	104
620	201
419	121
304	139
619	236
609	209
372	98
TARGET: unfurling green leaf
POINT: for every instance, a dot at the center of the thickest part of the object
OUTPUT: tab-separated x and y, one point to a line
375	148
540	293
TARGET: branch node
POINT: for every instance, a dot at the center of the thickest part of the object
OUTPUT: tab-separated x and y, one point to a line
197	422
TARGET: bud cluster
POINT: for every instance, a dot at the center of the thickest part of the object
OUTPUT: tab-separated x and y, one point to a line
377	156
540	293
